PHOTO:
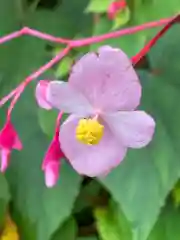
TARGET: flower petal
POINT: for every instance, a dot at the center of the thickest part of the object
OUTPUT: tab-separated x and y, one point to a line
90	160
17	143
40	94
107	80
64	97
134	129
51	173
5	159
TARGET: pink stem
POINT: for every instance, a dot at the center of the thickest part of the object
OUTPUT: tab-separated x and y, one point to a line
127	31
7	97
35	33
58	122
45	36
34	75
10	36
85	41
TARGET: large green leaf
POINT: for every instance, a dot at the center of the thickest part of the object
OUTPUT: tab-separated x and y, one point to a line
111	223
167	226
141	183
4	198
68	231
62	21
9	21
145	11
150	10
39	211
19	57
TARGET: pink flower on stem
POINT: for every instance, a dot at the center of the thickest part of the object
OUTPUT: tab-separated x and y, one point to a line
115	7
102	94
9	140
51	162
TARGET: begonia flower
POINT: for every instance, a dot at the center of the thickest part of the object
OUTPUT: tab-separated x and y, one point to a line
101	95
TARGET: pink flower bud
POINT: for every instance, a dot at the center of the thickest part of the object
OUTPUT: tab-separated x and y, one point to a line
115	7
40	94
51	162
9	140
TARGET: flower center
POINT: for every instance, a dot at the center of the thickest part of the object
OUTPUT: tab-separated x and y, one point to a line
89	131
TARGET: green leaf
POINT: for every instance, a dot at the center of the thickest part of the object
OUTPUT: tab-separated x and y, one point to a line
47	121
87	196
167	226
111	223
39	211
10	11
146	11
87	238
98	6
131	44
68	230
62	20
176	194
141	183
64	67
121	18
4	198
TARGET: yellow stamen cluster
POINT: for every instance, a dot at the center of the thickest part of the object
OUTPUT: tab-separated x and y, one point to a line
89	131
10	231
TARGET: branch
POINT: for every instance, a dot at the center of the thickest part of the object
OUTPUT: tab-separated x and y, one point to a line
119	33
84	41
69	45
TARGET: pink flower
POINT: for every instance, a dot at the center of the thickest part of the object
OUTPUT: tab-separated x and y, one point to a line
51	162
8	140
102	93
41	94
115	7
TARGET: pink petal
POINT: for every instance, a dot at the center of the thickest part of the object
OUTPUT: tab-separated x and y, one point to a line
51	173
40	94
17	143
9	138
64	97
108	80
90	160
5	158
134	129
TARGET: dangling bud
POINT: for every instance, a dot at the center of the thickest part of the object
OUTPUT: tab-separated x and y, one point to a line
9	140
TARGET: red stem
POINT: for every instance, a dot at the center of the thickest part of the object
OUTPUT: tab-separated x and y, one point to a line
127	31
84	41
36	74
